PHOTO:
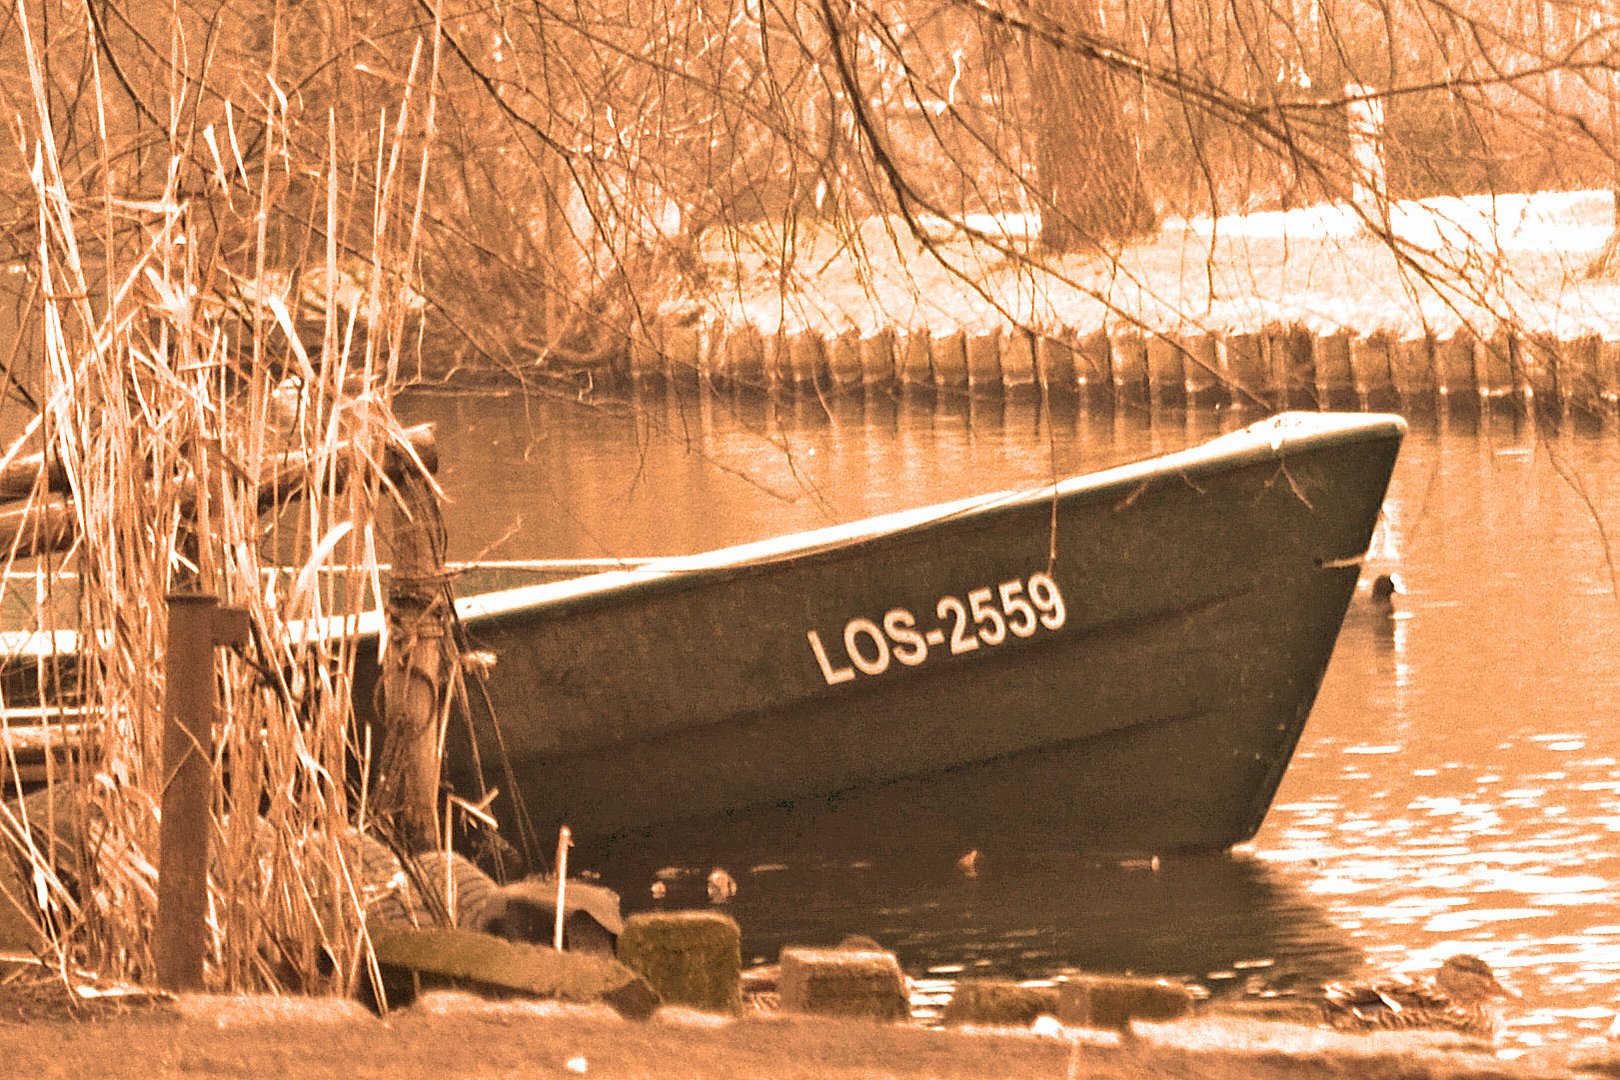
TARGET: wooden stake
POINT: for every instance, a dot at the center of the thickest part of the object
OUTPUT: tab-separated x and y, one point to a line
419	663
565	840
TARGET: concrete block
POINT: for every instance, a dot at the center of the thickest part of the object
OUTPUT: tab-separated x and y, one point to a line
1113	1001
843	982
1000	1002
689	957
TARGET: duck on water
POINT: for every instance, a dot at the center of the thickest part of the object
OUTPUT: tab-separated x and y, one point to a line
1464	996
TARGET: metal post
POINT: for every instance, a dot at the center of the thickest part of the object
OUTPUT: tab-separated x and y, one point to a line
197	624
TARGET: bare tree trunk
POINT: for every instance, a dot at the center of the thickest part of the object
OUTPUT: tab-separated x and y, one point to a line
1087	176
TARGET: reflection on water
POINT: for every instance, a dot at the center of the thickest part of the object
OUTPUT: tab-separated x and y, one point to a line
1457	788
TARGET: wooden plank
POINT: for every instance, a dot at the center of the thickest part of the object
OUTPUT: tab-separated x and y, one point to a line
1248	368
1454	364
1412	370
949	354
1204	379
916	360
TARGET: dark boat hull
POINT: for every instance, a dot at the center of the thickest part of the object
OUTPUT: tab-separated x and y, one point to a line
811	684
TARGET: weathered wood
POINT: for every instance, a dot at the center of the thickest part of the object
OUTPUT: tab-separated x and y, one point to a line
878	358
197	625
1167	379
1094	364
844	359
1493	364
950	360
1412	369
1369	360
1454	365
1128	362
984	360
1017	359
1578	374
1055	363
1293	375
1202	374
417	666
745	356
916	359
1248	368
807	357
1335	378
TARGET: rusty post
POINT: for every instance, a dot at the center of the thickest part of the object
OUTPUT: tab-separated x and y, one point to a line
419	662
197	625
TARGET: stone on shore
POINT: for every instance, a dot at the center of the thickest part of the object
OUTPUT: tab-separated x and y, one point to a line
1000	1002
1113	1001
843	982
416	958
689	957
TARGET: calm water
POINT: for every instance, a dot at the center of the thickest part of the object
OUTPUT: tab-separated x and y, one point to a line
1457	788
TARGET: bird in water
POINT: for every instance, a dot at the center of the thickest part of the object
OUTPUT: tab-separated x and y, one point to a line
1464	997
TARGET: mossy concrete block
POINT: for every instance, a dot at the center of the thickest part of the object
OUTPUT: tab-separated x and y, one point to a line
843	982
462	959
689	957
1001	1002
1113	1001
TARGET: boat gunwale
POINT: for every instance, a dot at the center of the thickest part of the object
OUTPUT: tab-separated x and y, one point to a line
1285	434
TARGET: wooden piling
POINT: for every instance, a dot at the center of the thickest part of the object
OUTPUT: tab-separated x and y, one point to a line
1335	377
1203	379
1128	362
984	361
1454	365
745	356
1579	362
950	361
1608	371
1017	360
1055	363
419	666
1093	365
682	344
1166	377
1248	368
1293	374
877	358
197	626
1539	372
807	355
1493	364
844	359
1369	362
916	359
1412	370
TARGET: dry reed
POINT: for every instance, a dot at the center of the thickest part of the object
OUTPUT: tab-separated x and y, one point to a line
175	380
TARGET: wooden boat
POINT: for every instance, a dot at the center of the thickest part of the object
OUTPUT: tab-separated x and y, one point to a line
1120	661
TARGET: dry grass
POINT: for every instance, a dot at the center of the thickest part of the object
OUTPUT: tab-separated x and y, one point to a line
176	381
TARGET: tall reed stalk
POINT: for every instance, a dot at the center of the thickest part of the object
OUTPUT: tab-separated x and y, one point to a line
175	381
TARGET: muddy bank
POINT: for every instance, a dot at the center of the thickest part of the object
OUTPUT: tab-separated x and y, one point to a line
451	1036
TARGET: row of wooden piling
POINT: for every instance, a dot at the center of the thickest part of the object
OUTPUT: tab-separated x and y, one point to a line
1278	366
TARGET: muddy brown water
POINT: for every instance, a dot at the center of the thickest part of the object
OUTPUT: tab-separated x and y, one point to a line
1457	788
